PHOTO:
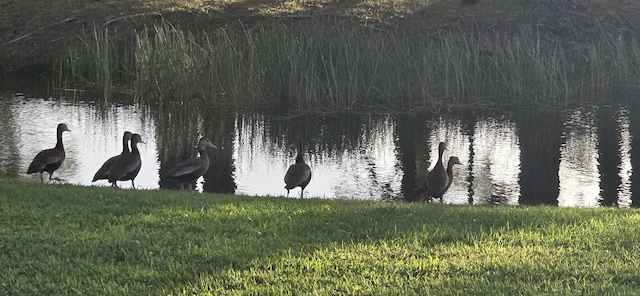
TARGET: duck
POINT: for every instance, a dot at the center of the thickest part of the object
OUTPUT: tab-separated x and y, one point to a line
126	168
49	160
437	178
299	173
453	160
105	169
188	171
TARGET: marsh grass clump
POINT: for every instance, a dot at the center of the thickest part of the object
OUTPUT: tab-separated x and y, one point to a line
97	63
331	65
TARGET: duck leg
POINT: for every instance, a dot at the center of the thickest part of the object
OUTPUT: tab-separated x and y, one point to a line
55	179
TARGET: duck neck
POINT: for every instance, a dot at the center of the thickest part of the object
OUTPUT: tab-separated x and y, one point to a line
134	147
440	152
203	154
299	158
59	144
125	146
450	169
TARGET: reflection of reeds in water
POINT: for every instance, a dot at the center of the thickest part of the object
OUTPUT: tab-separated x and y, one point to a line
179	126
324	136
9	153
327	65
354	150
177	130
219	126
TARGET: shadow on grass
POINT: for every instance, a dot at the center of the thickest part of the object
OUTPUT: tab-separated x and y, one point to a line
159	241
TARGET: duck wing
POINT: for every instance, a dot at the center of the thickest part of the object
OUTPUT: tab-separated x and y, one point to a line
186	167
44	158
437	181
296	175
104	171
124	165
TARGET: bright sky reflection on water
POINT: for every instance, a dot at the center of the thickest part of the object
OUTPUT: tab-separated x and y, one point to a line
365	164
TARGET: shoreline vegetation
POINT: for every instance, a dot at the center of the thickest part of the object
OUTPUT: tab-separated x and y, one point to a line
316	56
320	56
61	239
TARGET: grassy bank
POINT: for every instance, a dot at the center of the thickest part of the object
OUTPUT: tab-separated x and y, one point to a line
336	55
63	239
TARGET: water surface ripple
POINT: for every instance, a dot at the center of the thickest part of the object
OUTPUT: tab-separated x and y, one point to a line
579	159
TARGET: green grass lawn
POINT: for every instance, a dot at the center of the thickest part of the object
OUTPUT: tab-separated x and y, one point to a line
65	239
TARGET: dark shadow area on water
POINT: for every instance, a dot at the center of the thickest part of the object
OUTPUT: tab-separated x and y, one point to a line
634	128
9	156
178	131
608	155
540	139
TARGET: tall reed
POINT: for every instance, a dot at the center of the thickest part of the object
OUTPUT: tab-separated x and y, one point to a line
329	65
97	62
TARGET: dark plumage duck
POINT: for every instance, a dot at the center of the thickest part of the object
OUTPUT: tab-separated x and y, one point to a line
128	165
104	171
437	178
453	160
49	160
191	169
298	174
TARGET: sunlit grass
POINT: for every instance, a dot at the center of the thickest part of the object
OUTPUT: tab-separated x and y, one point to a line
64	239
167	6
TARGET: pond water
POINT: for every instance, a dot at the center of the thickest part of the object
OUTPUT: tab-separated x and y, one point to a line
580	159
